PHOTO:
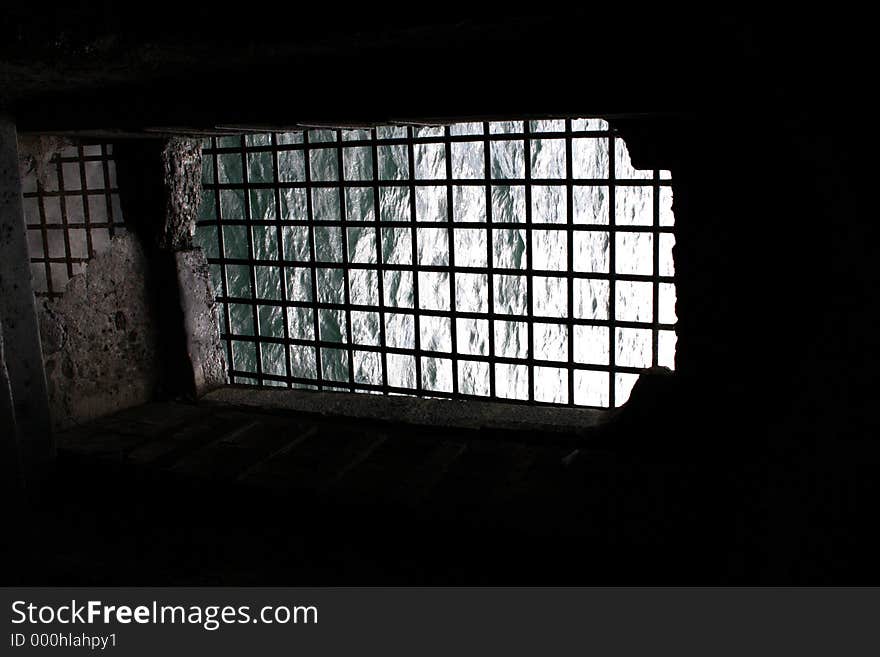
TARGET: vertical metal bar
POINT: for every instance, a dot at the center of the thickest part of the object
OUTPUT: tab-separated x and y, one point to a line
487	163
245	177
411	165
340	166
221	243
108	196
377	217
655	285
612	265
451	261
85	200
313	256
281	269
569	219
63	203
45	234
530	296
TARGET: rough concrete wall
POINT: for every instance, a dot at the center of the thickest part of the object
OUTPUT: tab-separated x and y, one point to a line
201	321
182	162
100	338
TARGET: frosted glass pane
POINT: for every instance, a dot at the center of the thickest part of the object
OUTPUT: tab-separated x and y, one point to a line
548	158
302	362
401	371
326	205
632	347
391	132
505	127
547	125
634	301
589	157
238	280
591	345
666	302
509	203
470	248
551	385
435	333
322	136
511	339
294	205
393	162
428	131
241	319
295	241
357	134
400	331
549	249
431	203
289	137
551	296
398	287
361	245
363	286
510	293
331	326
265	242
590	204
433	246
229	168
244	356
623	167
472	293
299	284
468	159
511	381
434	290
508	159
509	248
634	206
591	251
430	161
367	367
394	204
301	323
268	282
334	364
667	218
359	205
591	388
231	205
437	374
328	244
261	168
469	204
357	163
397	246
365	328
472	336
634	253
323	165
271	321
591	298
234	242
667	264
466	129
331	285
589	124
666	341
550	341
623	385
549	204
473	377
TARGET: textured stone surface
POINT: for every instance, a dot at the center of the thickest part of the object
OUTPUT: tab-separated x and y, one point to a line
182	162
17	308
201	321
99	338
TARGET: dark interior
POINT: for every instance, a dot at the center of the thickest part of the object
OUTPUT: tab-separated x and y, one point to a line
755	462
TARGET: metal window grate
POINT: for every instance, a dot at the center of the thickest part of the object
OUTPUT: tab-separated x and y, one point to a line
71	214
518	260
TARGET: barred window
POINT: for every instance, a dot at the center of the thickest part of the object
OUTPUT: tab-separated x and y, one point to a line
519	260
72	210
